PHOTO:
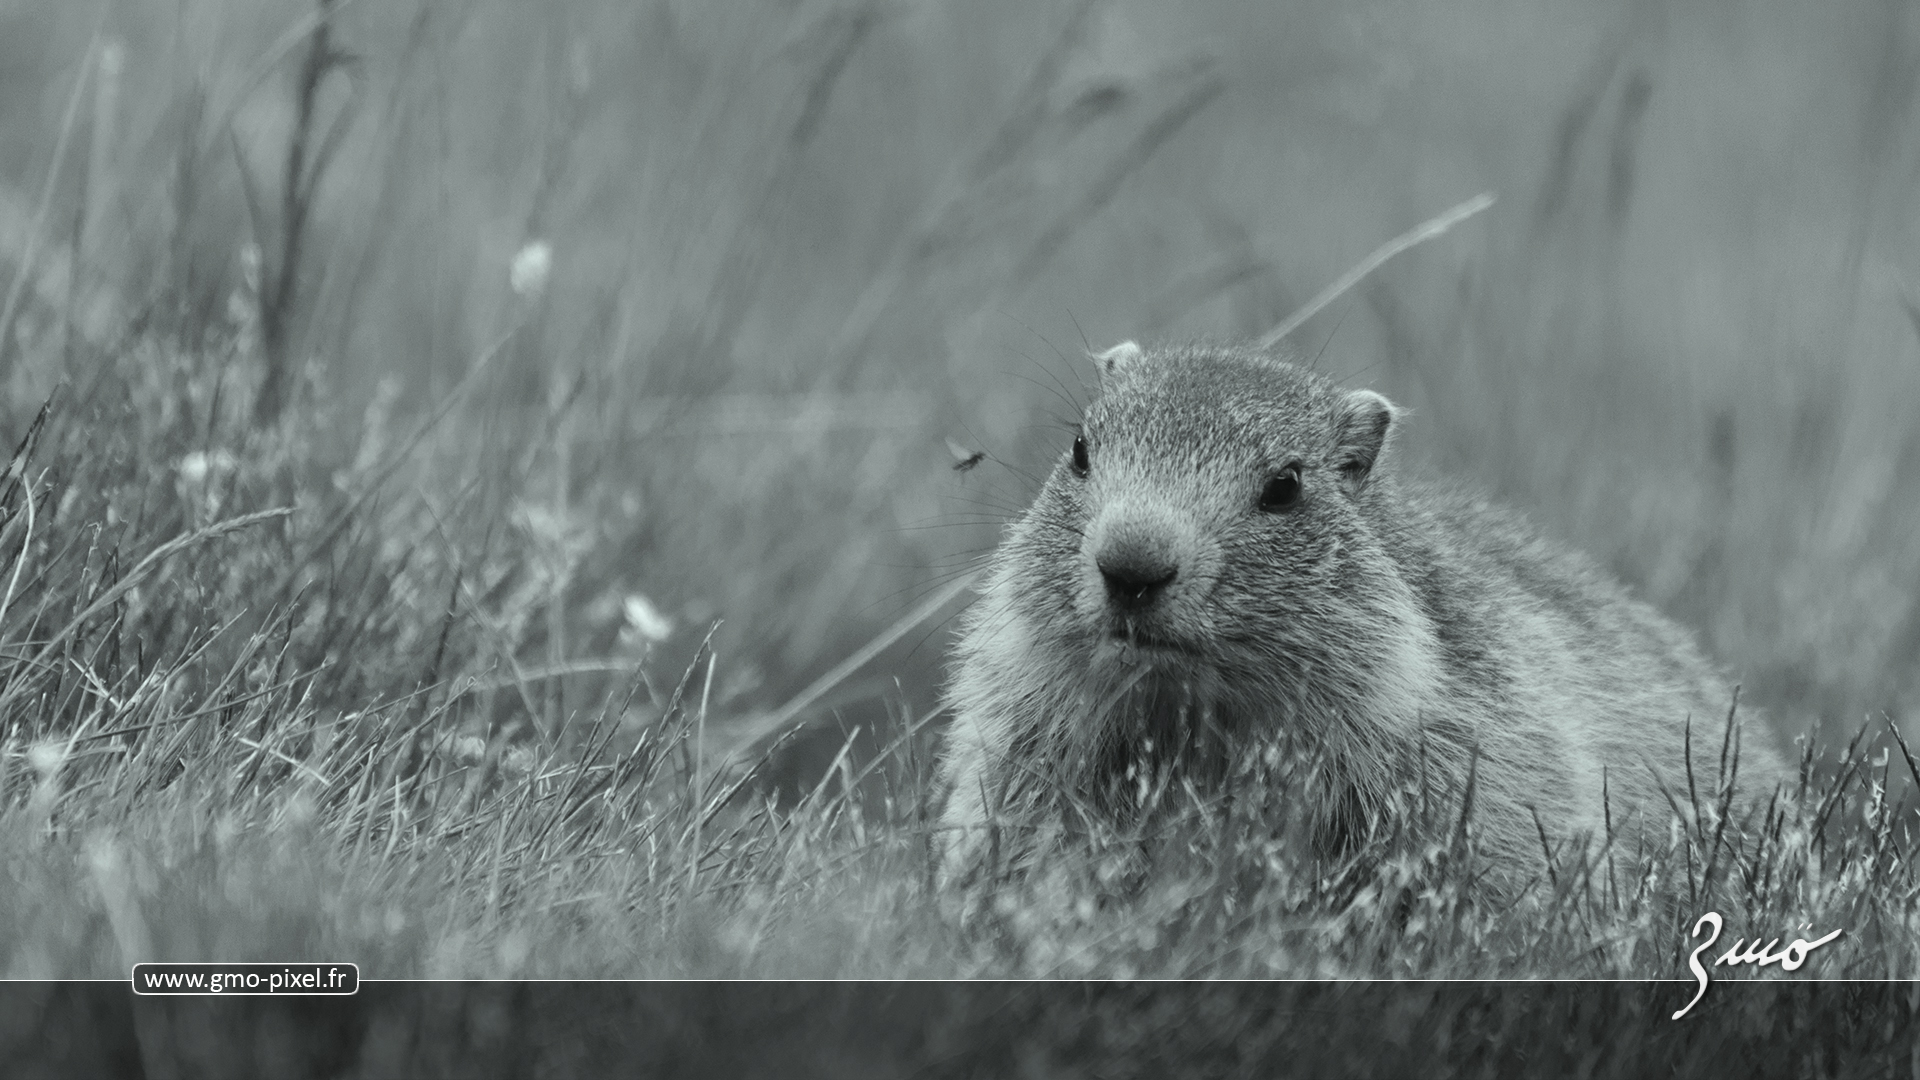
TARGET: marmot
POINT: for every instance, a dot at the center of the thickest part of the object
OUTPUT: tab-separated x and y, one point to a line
1223	548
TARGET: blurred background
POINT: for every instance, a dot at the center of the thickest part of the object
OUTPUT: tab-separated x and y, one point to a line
713	297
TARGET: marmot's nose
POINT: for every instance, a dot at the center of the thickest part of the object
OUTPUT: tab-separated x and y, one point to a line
1135	578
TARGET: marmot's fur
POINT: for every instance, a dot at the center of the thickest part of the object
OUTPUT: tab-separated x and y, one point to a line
1224	551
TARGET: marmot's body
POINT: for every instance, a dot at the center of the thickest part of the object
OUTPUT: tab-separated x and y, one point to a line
1224	551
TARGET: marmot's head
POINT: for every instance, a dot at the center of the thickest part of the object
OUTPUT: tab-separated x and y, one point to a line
1209	522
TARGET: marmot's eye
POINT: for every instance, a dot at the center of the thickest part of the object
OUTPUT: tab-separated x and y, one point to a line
1080	463
1282	490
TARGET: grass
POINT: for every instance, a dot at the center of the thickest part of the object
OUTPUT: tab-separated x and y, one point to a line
583	630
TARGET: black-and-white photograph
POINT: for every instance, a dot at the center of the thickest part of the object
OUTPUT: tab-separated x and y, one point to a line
959	538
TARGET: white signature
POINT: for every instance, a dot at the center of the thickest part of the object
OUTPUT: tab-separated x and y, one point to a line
1789	958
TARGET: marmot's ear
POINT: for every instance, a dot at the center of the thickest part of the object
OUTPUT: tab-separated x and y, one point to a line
1361	422
1120	356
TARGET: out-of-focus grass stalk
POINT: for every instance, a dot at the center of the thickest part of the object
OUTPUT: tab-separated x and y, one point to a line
24	272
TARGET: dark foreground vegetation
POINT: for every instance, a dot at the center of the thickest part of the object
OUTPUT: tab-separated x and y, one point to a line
860	1030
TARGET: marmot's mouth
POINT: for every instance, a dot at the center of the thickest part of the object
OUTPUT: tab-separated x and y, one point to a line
1146	644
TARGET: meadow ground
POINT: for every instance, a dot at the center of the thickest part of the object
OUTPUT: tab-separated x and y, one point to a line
484	505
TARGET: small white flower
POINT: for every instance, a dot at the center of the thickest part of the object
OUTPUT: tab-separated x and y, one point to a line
240	308
470	748
528	274
646	620
47	757
298	810
195	467
250	267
